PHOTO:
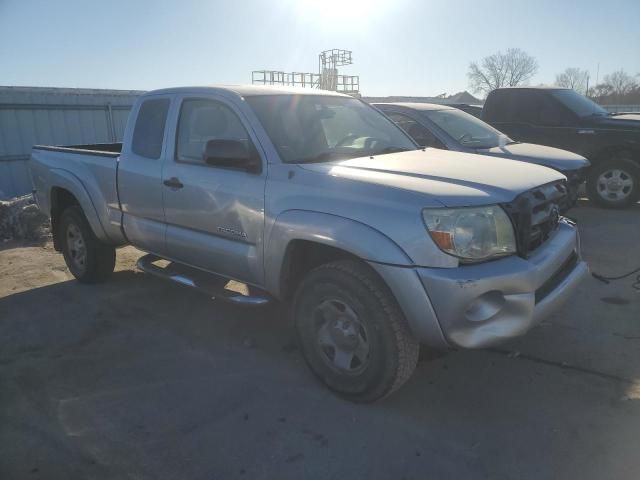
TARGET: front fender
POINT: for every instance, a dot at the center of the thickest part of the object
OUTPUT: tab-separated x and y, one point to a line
64	179
346	234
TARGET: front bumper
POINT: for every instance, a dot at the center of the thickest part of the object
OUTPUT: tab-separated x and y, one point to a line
481	305
575	178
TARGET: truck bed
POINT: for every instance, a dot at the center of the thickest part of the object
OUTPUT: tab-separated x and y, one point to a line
99	149
89	172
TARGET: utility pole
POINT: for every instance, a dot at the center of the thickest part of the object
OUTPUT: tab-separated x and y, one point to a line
587	92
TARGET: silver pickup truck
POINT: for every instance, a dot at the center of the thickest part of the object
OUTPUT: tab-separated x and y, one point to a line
319	201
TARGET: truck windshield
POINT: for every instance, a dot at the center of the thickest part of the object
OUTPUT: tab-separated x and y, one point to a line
578	104
466	129
318	128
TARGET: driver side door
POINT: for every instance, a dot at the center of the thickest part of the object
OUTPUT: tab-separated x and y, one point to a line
214	214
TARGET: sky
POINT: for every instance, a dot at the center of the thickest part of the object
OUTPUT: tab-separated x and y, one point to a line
400	47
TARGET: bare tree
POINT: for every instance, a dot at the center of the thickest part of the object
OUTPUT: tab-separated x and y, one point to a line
621	82
573	78
510	69
601	91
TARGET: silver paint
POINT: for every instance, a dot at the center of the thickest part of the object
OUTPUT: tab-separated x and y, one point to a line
370	207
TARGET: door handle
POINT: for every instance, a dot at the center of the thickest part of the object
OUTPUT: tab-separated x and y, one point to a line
174	183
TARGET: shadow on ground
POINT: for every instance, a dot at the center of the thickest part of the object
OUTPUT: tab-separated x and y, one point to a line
141	379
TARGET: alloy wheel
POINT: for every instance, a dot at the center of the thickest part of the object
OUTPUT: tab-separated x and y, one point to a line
614	184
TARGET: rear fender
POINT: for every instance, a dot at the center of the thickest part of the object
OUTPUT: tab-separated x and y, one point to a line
60	178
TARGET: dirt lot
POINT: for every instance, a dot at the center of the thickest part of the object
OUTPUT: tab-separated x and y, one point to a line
141	379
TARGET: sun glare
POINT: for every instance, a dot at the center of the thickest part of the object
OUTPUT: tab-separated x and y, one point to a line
340	11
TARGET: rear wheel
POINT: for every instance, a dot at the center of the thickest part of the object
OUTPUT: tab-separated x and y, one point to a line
88	259
614	183
352	332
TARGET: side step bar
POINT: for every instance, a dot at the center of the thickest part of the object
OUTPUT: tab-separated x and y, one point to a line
215	286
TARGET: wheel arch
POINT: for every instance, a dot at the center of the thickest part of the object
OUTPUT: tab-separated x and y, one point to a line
67	190
605	153
301	240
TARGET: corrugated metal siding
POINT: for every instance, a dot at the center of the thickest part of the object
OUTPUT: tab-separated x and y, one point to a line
54	116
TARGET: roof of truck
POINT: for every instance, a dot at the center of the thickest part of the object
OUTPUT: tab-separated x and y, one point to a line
541	87
417	105
247	90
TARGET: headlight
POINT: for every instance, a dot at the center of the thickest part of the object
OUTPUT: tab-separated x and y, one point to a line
472	234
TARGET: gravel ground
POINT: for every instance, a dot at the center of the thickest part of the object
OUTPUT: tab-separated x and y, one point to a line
139	379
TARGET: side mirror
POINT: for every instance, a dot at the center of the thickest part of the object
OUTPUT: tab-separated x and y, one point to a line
232	154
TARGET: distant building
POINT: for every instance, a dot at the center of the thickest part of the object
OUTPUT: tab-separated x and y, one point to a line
54	116
460	97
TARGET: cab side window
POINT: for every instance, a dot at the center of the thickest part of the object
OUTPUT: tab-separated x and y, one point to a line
525	108
551	113
148	132
203	120
500	107
420	134
538	109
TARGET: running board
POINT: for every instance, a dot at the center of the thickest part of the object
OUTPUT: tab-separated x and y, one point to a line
215	286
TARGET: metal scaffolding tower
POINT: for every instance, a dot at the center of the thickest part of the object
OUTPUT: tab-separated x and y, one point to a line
327	77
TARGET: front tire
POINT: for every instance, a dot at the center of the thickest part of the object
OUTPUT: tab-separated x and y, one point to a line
614	183
87	258
352	333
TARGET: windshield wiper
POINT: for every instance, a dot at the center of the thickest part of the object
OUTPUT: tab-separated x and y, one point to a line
386	150
321	157
332	155
329	155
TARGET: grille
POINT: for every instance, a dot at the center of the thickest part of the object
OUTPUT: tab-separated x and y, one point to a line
555	280
535	215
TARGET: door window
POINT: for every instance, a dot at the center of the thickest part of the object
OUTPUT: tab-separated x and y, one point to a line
525	107
535	108
551	113
203	120
148	132
500	107
418	132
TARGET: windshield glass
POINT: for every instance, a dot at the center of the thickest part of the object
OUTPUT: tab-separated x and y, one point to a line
466	129
316	128
581	106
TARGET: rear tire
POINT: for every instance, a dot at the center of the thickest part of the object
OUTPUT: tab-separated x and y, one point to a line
614	183
352	333
88	259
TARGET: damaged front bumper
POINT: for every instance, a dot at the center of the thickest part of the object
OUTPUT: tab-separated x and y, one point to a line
475	306
485	304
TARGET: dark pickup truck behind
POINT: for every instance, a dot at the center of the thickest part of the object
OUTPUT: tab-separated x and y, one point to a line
564	119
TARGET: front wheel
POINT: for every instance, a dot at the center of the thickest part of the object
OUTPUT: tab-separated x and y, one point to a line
353	335
88	259
614	183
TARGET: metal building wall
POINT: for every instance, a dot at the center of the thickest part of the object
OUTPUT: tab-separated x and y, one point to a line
54	116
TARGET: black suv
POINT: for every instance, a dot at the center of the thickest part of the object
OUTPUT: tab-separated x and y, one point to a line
562	118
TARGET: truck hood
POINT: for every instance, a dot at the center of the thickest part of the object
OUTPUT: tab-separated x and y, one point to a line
539	154
627	121
455	179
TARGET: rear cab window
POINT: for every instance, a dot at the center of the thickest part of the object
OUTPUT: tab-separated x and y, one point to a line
148	132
